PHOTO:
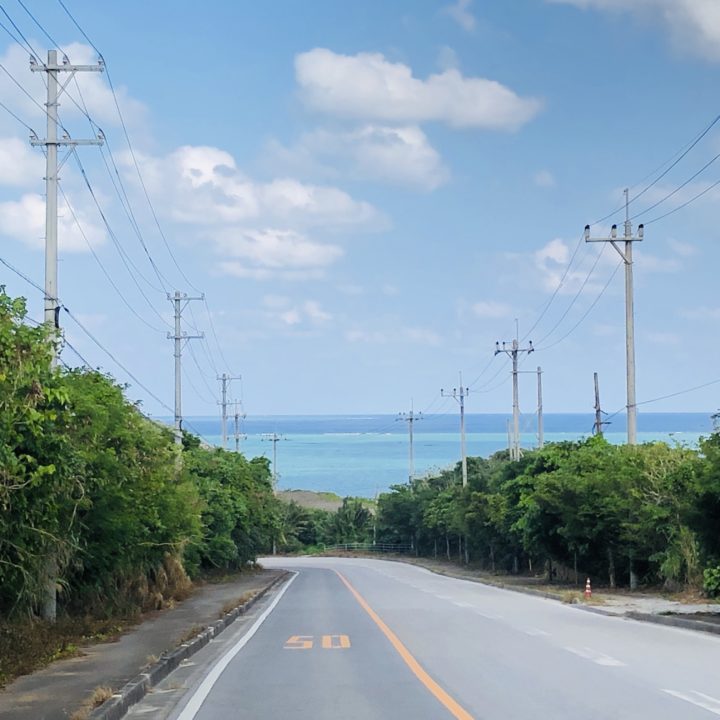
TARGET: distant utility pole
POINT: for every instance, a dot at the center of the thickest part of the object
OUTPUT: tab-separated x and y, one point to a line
459	395
410	418
180	302
627	258
513	351
238	417
51	144
540	428
599	422
274	438
225	381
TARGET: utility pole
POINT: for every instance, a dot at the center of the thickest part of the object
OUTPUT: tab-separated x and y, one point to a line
540	428
52	303
180	302
513	351
599	422
51	144
225	381
459	396
410	418
627	258
237	432
274	438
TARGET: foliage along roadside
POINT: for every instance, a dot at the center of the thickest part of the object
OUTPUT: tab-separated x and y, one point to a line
621	514
91	491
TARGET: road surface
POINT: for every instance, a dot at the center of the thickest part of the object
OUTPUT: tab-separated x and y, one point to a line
357	638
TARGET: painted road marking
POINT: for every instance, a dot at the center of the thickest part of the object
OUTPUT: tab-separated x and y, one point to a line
454	708
536	633
463	604
596	657
198	697
327	642
299	642
488	616
702	700
335	642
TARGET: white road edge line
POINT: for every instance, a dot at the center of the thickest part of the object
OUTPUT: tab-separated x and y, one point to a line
199	696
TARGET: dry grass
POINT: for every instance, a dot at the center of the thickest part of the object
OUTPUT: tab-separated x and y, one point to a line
190	634
98	696
232	604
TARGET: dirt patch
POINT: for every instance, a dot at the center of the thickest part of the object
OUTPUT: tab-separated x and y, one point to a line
311	500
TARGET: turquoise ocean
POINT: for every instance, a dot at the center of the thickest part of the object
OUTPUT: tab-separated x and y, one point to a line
365	454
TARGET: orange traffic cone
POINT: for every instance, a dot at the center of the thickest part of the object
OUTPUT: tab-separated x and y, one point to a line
588	589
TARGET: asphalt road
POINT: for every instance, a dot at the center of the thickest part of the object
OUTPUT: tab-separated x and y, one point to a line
373	639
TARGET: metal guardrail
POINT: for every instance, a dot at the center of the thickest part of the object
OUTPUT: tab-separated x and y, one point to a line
372	547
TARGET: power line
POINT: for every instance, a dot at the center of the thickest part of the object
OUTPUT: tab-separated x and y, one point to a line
21	275
113	357
53	43
102	267
685	204
33	52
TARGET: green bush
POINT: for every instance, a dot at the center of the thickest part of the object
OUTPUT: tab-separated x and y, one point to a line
711	581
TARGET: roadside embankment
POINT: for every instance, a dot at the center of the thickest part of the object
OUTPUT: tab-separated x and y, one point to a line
141	656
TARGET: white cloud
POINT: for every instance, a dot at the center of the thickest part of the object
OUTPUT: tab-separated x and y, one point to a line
460	13
490	309
271	249
24	219
544	179
586	272
369	86
202	185
694	25
366	336
19	165
396	155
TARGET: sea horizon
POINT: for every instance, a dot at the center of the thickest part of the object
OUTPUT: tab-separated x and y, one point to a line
362	454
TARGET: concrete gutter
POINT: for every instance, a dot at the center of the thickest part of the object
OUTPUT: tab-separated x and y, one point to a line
135	690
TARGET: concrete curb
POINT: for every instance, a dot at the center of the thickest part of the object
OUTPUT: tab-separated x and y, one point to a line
675	621
135	690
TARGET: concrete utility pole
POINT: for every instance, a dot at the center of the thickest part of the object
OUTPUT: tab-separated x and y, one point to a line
237	433
274	438
513	351
459	395
599	422
410	418
627	258
225	381
52	303
51	144
180	302
540	428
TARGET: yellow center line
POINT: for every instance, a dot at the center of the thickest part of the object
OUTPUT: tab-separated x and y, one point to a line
455	709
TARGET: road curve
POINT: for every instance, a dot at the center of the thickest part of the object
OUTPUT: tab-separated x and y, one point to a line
357	638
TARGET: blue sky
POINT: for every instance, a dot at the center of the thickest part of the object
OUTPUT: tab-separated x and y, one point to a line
369	194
